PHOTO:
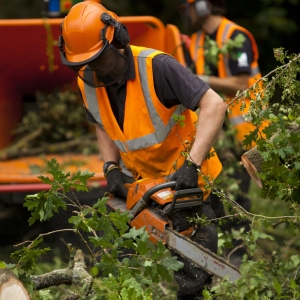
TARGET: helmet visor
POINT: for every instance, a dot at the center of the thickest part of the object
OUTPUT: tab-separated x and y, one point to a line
105	68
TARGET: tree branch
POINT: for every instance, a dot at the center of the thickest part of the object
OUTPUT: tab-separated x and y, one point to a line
74	274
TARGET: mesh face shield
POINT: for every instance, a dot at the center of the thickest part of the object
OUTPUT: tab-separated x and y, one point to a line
105	68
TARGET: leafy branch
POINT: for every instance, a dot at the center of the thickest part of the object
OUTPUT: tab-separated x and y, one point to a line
114	274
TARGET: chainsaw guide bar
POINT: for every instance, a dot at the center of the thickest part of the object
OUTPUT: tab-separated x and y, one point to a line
201	256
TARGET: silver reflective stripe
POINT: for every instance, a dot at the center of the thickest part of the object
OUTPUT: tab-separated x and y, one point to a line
124	169
121	146
237	120
255	71
91	99
226	61
161	130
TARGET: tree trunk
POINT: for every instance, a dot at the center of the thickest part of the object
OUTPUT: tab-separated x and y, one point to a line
11	287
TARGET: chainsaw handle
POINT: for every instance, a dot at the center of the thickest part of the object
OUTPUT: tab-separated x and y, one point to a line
156	188
144	201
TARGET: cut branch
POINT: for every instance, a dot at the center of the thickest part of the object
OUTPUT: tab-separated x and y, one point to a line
75	274
252	160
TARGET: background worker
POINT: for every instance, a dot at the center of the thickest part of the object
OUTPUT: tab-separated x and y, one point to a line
234	71
131	94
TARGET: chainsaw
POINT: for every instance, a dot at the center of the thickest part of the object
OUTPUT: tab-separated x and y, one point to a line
151	202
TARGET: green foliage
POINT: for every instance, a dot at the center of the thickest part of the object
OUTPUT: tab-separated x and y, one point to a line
179	119
270	272
125	264
44	203
212	50
262	279
28	256
278	144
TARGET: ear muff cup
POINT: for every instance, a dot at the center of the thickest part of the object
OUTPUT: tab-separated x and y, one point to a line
202	7
121	36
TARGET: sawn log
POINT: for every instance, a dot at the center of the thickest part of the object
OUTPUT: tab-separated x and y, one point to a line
11	287
252	160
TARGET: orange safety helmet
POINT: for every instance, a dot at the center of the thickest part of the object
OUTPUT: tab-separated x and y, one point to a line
86	32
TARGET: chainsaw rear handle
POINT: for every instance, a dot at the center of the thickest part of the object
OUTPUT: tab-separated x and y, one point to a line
146	197
145	200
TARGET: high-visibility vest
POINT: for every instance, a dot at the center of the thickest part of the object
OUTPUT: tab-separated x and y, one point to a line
151	141
224	32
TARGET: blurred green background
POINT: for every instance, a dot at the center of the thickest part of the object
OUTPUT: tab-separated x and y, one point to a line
274	23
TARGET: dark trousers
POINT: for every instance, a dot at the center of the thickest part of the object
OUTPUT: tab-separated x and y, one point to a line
236	224
191	279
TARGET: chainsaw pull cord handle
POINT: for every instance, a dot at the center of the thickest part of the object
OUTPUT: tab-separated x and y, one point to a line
144	201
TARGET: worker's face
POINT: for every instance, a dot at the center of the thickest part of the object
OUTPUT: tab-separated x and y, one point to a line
190	18
109	67
108	63
197	21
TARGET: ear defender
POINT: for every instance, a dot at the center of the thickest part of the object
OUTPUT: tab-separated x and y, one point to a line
121	36
202	7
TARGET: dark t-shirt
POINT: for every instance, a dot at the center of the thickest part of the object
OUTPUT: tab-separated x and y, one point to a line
174	84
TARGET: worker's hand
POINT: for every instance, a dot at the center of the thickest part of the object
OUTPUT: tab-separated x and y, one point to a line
115	182
186	176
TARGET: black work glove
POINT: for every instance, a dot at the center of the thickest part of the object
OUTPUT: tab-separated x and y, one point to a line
115	182
186	176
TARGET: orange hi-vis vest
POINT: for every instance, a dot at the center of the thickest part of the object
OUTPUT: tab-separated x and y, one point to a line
224	32
151	141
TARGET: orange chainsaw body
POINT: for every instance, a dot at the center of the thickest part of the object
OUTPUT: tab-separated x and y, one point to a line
153	215
138	188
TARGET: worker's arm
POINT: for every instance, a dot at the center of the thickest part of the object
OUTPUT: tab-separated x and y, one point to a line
228	85
107	147
114	176
212	111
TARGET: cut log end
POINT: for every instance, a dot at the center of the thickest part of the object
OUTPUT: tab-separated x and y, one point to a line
251	169
11	287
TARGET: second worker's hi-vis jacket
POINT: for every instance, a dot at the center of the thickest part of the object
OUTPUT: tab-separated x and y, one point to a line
224	32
